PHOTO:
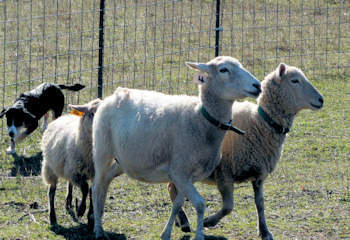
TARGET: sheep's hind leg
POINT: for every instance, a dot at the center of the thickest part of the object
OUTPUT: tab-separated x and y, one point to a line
84	187
90	215
258	187
69	196
226	191
103	176
51	193
181	219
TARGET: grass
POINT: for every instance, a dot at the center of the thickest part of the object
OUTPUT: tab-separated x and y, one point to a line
308	194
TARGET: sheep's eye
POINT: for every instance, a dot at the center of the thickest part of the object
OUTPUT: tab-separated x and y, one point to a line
295	81
223	70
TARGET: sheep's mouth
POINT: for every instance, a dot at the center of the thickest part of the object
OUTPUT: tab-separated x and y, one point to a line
255	94
316	106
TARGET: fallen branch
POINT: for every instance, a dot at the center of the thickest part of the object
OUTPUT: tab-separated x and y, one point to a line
31	215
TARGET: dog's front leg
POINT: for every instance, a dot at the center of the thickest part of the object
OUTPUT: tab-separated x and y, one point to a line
12	148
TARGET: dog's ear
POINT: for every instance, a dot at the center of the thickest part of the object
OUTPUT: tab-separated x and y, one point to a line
3	112
26	112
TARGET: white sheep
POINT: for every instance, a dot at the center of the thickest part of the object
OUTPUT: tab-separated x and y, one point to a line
254	156
159	138
67	153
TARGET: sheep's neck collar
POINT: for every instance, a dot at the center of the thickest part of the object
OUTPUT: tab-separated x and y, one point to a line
278	128
222	126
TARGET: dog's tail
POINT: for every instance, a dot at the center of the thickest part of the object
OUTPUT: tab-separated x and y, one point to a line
76	87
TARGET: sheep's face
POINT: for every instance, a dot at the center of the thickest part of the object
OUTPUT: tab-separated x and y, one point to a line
227	78
297	89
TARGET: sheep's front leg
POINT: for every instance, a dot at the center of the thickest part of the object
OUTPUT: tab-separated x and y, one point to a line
186	187
258	187
177	203
181	219
226	191
51	193
69	196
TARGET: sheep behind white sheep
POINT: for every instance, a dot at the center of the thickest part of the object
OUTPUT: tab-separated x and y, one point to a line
67	153
159	138
252	157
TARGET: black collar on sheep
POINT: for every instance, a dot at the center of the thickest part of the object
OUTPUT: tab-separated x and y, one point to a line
278	128
223	126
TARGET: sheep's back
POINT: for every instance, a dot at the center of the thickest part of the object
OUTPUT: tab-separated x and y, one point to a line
58	145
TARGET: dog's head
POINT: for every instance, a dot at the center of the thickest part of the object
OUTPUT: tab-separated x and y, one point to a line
16	115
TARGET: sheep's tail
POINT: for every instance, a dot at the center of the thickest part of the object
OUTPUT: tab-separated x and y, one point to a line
76	87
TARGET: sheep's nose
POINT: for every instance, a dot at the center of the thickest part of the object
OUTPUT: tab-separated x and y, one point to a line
257	86
320	100
11	134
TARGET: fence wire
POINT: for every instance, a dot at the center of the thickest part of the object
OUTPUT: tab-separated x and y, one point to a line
147	42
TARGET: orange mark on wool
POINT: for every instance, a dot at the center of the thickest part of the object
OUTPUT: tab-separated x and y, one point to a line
77	113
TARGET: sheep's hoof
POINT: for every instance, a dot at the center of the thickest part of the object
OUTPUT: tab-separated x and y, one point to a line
91	223
209	223
81	210
199	237
267	236
100	234
182	221
103	237
53	221
186	228
165	236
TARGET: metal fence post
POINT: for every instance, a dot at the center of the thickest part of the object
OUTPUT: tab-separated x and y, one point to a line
100	49
218	29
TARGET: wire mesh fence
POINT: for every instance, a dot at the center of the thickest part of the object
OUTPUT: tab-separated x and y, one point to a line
147	42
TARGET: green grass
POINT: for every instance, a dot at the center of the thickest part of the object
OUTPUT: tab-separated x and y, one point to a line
308	194
315	158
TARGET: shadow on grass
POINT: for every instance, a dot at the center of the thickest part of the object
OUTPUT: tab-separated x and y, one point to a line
206	237
26	166
82	232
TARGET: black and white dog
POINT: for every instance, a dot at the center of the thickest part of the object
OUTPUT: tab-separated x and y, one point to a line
30	106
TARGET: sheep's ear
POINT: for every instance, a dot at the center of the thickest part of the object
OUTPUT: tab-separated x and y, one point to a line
79	108
281	69
3	112
280	72
95	103
202	67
